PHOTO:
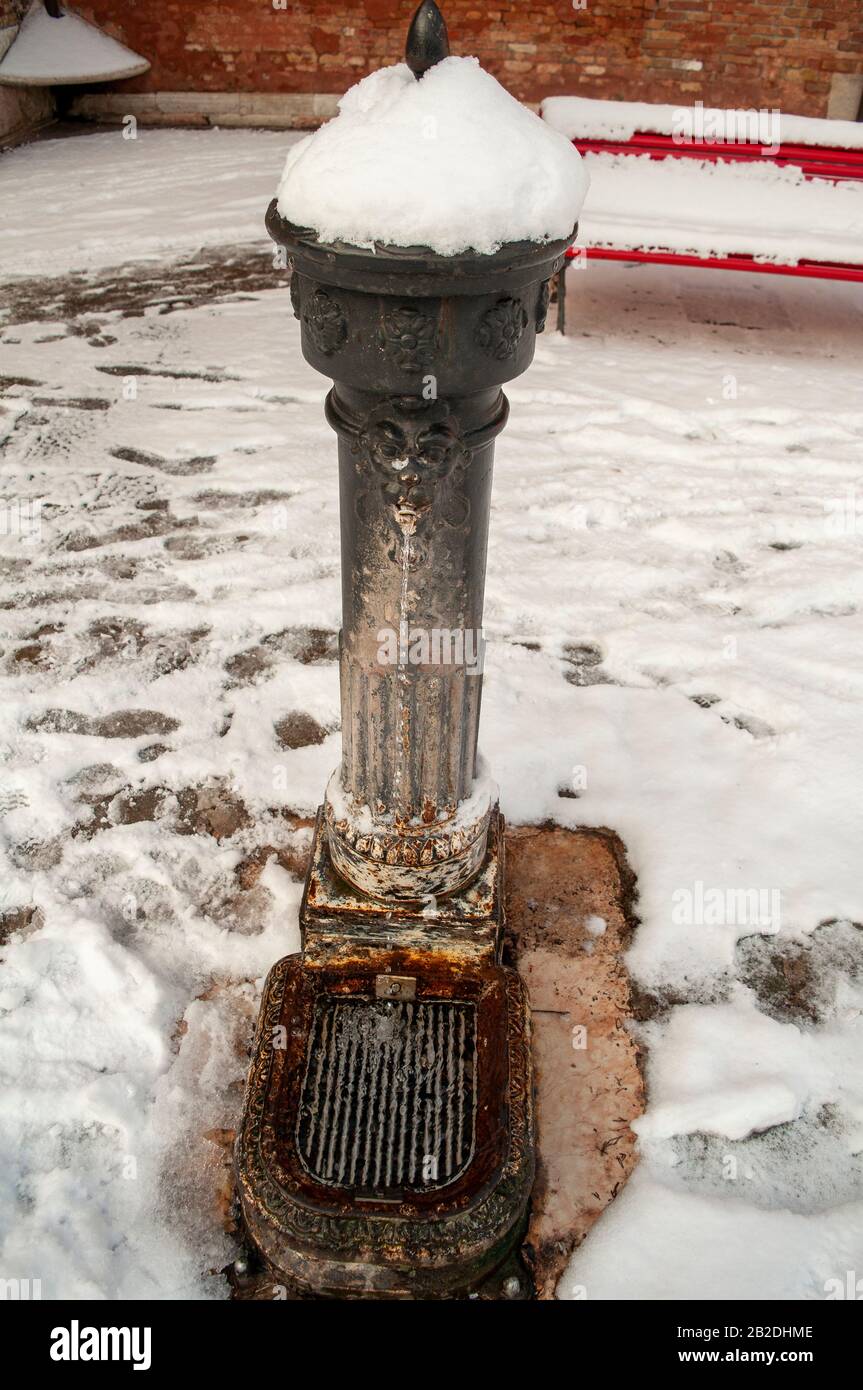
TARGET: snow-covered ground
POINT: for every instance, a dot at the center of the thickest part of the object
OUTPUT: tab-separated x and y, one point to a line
110	198
675	621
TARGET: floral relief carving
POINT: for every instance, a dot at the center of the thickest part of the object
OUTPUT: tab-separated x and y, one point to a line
325	322
500	328
409	337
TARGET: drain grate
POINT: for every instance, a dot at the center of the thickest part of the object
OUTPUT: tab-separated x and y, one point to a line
388	1100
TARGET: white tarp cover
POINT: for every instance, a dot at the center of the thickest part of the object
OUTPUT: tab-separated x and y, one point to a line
48	52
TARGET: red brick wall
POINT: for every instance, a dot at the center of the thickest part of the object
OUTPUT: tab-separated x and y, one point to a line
11	12
751	52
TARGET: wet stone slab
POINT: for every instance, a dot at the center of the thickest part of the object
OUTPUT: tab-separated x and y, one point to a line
568	924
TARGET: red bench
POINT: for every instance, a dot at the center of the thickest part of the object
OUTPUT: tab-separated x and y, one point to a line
832	163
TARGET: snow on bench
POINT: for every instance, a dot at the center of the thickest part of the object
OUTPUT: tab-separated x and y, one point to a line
582	118
742	190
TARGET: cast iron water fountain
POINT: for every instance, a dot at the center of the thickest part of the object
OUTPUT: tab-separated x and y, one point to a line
387	1142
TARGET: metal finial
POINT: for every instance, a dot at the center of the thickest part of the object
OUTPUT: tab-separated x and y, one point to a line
427	40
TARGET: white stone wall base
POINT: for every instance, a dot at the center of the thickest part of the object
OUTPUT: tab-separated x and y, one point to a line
283	111
22	110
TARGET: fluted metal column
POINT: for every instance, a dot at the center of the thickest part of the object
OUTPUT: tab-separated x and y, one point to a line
418	346
406	816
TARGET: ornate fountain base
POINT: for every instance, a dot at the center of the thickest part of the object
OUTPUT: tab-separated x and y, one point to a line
387	1143
469	921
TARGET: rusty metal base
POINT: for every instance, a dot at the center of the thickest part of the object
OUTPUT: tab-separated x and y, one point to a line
387	1145
468	923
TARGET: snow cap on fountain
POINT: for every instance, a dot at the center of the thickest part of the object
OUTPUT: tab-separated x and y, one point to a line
433	153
